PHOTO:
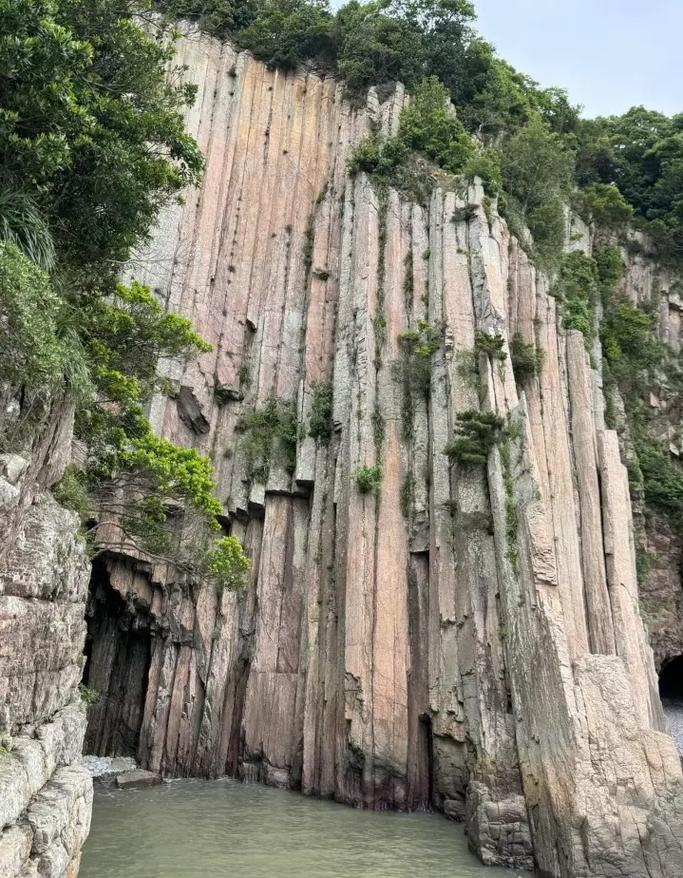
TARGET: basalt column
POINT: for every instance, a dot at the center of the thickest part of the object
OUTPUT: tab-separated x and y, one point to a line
418	629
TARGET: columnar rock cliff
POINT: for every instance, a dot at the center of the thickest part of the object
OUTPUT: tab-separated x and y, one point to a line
45	794
466	637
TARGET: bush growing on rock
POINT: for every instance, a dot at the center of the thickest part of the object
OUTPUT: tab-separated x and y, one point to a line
476	434
368	478
527	360
320	424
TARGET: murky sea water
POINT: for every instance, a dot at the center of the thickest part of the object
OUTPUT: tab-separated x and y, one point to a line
210	829
673	708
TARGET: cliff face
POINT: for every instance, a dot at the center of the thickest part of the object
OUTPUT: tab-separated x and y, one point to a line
465	636
45	794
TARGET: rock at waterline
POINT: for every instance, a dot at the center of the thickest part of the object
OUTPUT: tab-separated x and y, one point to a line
130	780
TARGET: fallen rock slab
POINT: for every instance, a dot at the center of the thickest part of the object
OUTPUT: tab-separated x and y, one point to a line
130	780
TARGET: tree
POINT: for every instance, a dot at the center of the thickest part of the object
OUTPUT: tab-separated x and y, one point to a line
374	49
537	174
285	33
641	153
604	204
90	122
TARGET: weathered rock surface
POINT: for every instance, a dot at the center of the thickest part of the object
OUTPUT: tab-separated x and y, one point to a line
45	793
467	638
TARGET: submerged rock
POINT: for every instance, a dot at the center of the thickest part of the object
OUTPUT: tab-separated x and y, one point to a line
129	780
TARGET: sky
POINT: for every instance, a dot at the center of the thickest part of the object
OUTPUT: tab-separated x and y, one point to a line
609	55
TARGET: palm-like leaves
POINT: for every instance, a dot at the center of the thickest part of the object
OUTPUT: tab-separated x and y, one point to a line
22	223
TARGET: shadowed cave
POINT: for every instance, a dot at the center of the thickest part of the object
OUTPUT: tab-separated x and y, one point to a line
671	680
118	650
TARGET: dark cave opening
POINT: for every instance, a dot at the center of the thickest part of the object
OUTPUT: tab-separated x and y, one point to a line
116	670
671	680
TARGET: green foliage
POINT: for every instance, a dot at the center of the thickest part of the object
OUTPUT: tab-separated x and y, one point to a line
320	424
476	433
641	153
22	224
285	33
663	482
577	288
418	346
178	473
90	122
72	491
368	478
428	126
124	337
227	564
406	496
379	429
537	171
222	18
88	694
628	336
269	436
40	348
527	360
605	205
374	47
610	269
492	346
92	144
413	369
511	515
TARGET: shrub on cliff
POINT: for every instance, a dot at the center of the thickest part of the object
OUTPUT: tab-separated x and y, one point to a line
537	176
527	361
269	436
41	350
476	434
320	425
368	479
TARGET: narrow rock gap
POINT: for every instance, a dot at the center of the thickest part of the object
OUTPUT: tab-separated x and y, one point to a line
116	670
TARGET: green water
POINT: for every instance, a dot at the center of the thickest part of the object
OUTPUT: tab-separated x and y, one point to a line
205	829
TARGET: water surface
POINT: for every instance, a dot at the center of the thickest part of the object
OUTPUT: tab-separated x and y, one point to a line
673	708
207	829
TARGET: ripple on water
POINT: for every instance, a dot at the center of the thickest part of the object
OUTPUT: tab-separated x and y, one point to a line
202	829
674	713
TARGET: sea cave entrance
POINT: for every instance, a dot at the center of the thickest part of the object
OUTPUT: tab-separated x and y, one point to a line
118	652
671	680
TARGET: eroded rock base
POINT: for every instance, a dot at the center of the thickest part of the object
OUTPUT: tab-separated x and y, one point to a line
45	792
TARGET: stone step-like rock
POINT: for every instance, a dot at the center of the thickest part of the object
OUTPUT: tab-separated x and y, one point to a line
130	780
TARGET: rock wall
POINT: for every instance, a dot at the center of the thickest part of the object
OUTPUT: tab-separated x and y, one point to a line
466	637
45	793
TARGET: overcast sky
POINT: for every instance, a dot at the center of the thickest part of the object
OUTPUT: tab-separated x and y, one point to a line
609	54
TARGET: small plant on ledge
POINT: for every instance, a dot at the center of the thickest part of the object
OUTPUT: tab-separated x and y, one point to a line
476	434
320	425
368	478
527	361
491	345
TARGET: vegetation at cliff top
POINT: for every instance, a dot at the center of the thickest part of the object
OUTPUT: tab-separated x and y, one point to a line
92	144
526	142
